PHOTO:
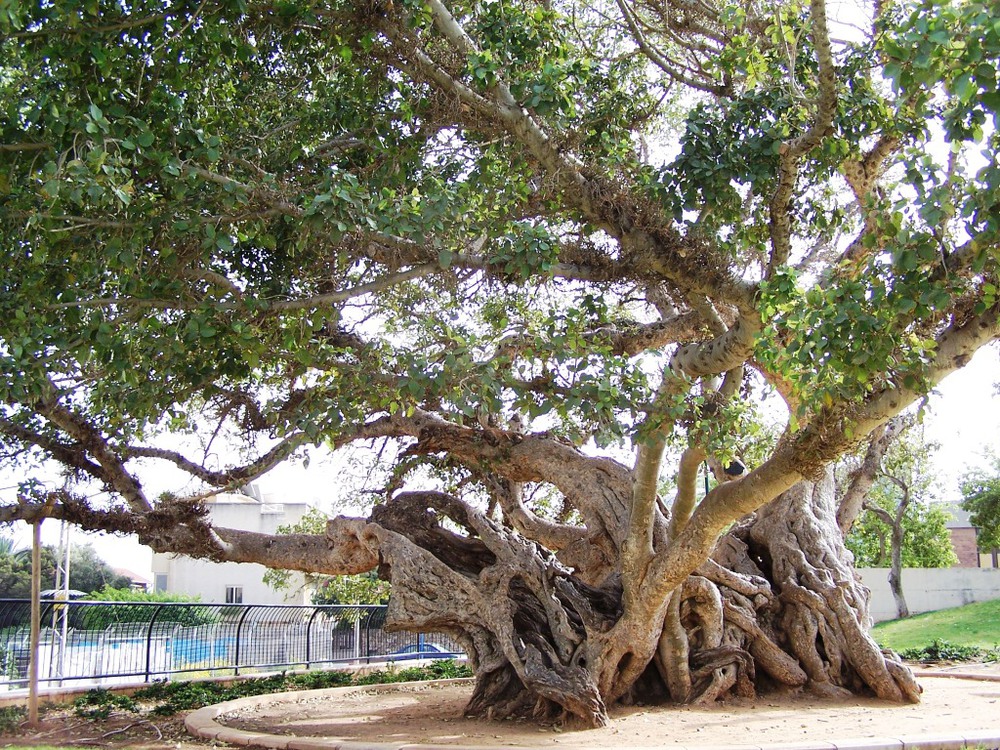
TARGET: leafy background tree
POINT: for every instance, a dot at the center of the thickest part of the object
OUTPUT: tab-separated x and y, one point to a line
884	509
362	588
981	497
15	569
906	468
88	572
927	542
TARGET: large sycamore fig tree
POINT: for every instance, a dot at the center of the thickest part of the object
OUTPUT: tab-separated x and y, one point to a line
548	256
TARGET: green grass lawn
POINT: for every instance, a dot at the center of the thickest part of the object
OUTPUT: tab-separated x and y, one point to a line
971	625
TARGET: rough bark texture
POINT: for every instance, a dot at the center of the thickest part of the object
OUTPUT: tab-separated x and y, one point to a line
824	607
779	604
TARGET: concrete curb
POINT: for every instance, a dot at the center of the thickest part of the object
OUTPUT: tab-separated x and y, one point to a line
204	723
956	675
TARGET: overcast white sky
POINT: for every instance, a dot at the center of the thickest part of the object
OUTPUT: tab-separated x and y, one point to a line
964	416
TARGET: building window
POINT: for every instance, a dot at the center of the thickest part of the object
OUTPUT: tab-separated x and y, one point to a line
160	582
234	594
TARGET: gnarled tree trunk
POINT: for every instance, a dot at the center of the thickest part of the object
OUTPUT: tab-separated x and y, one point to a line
824	607
779	604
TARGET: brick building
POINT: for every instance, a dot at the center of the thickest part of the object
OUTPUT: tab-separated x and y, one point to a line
964	539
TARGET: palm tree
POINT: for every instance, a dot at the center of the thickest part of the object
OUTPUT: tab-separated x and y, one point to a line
8	548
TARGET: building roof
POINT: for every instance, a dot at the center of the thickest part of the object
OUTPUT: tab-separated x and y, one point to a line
134	577
960	519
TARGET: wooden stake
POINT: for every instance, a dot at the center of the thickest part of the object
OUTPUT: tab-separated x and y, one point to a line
36	612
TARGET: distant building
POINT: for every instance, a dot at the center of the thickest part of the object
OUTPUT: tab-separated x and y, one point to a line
229	582
965	540
138	582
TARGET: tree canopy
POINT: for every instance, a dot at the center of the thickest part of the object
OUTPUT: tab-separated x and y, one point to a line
502	237
88	572
981	497
926	540
904	492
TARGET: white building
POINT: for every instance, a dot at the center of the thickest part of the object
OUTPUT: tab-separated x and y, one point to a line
234	583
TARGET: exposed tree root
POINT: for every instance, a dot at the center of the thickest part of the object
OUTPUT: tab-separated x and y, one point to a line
824	613
778	604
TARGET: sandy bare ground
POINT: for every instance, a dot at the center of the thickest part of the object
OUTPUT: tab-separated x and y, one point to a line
431	713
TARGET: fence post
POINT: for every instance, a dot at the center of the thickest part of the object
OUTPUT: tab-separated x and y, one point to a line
102	640
239	630
36	619
357	636
149	639
368	635
309	629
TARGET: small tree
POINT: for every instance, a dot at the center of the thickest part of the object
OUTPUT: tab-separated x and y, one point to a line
898	527
926	540
89	573
981	497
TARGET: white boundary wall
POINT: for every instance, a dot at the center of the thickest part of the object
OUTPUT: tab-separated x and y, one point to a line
928	589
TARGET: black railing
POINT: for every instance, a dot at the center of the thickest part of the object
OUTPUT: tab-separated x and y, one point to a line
107	643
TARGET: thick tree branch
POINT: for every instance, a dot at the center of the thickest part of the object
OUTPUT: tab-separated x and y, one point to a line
71	455
631	340
234	477
22	147
723	353
864	476
554	536
686	496
113	470
792	151
179	528
597	487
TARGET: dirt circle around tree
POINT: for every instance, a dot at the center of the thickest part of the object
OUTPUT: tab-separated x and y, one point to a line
431	714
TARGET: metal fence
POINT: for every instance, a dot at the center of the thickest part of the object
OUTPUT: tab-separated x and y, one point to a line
86	643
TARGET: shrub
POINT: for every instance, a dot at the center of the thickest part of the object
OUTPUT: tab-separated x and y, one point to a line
172	697
320	680
99	703
11	718
940	650
186	696
187	612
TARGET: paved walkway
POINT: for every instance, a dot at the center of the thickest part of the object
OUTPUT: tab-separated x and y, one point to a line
959	710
